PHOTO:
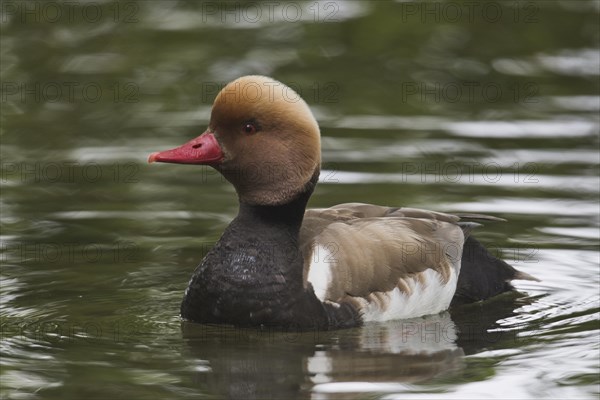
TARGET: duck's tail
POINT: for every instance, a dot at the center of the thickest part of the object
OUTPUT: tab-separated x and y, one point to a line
482	275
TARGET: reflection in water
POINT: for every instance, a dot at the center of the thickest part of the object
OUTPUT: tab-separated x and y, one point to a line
410	351
249	363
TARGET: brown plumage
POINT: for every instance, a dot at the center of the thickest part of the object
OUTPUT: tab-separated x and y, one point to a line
375	248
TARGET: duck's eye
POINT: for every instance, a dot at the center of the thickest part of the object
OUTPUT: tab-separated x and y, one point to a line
249	128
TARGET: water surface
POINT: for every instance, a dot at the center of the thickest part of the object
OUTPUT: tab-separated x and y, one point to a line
440	105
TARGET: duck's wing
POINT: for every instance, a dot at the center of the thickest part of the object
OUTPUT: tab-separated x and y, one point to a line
347	211
367	254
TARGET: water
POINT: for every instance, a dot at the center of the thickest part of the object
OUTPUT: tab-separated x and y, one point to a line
420	105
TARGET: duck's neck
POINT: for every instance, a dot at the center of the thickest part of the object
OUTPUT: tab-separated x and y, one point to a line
287	216
284	218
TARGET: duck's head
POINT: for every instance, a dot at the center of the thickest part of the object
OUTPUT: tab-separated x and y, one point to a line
262	137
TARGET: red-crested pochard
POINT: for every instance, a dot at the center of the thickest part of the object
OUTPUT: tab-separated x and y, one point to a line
278	264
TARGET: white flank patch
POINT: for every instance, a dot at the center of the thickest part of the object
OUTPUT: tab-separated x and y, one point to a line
430	297
319	272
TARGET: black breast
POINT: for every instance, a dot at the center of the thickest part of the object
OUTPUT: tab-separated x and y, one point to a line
253	276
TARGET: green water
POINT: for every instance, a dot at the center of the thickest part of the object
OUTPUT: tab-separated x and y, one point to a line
488	107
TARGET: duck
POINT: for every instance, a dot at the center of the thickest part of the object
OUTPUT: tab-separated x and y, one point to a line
279	264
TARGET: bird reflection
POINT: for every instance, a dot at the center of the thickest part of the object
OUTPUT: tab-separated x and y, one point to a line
255	363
